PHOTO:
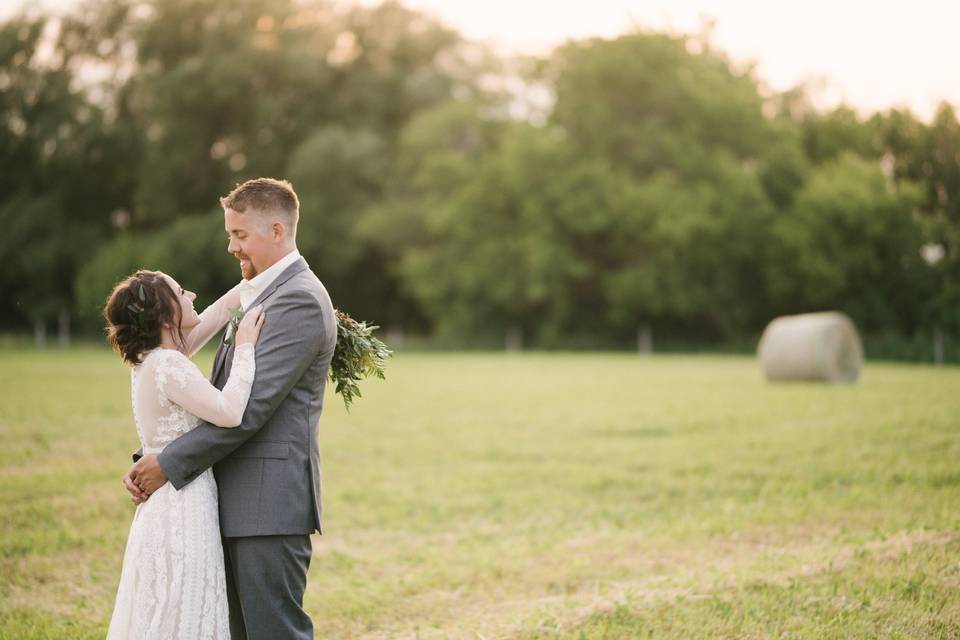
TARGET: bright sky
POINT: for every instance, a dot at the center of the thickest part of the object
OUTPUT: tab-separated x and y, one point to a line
872	54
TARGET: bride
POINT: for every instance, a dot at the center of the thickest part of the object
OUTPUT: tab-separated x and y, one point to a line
172	584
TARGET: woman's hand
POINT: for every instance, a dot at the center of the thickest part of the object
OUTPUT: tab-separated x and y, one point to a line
249	329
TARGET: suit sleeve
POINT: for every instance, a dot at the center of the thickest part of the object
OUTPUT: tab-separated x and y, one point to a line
291	337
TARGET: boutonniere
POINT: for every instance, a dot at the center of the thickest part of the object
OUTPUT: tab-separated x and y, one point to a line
236	315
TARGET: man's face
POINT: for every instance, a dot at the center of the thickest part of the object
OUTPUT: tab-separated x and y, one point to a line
249	243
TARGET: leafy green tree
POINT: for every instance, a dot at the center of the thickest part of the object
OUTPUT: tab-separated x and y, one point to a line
828	135
229	90
660	187
436	155
927	156
647	104
701	255
193	250
338	173
560	245
112	261
709	165
217	92
53	139
850	242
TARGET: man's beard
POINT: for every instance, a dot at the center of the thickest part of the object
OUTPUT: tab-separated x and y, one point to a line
247	270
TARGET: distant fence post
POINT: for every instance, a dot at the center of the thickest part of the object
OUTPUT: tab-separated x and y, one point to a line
39	333
644	339
64	328
514	341
938	346
395	336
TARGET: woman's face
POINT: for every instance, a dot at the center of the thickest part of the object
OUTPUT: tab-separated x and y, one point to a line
188	315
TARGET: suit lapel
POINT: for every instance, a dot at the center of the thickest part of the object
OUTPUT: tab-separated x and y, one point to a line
218	362
286	274
225	350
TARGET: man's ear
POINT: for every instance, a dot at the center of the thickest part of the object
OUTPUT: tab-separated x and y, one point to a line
278	231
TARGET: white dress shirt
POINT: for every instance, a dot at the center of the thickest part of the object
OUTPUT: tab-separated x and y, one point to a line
251	289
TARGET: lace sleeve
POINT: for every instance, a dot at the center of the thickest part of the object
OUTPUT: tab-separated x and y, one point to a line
181	382
212	320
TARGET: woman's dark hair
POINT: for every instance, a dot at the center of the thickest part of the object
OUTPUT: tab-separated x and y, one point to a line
136	311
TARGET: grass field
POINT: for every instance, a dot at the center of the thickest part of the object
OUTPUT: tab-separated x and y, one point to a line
537	496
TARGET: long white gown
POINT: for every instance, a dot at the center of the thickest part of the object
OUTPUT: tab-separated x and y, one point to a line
172	585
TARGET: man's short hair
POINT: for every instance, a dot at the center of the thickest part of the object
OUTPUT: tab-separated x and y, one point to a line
267	199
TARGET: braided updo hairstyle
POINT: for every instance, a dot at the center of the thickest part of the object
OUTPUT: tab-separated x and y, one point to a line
136	312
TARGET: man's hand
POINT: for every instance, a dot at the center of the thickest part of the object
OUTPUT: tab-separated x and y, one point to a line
144	478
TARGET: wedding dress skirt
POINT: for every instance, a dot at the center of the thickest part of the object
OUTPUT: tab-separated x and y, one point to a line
172	586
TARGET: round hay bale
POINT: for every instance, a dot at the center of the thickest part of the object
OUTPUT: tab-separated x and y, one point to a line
811	346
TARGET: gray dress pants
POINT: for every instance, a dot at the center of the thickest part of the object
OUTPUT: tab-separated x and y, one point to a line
266	578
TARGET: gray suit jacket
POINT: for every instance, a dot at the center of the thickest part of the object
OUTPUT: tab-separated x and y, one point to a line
268	468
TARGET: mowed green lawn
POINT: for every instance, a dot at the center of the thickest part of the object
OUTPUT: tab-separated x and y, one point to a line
540	496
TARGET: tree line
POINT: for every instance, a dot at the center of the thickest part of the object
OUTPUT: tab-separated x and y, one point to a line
644	181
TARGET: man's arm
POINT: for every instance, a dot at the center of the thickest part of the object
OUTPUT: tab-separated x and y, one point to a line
292	336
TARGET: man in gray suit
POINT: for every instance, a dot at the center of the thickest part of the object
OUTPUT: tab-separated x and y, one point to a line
267	469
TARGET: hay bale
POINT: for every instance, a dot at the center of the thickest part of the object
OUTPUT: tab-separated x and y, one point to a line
811	346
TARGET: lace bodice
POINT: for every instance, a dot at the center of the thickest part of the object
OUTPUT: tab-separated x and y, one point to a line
171	395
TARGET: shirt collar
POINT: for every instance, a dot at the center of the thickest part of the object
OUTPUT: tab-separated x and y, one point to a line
263	279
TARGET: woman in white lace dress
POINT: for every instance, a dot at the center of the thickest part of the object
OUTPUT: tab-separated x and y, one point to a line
172	585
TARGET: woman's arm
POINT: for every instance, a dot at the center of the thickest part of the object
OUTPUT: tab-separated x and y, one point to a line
224	408
212	320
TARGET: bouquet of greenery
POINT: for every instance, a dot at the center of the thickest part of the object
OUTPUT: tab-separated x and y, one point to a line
357	355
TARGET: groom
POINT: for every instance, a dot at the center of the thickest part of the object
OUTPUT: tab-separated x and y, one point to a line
268	469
